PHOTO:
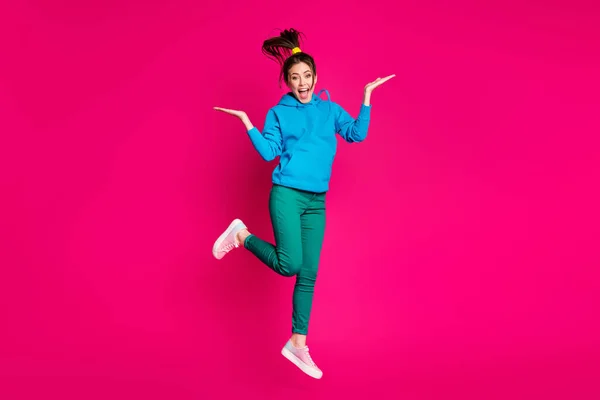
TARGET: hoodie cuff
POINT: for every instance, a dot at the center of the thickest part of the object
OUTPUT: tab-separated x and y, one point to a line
365	111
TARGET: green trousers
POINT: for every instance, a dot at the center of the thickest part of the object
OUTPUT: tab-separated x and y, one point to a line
298	220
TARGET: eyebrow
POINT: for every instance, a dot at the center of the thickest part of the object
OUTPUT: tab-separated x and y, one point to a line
295	73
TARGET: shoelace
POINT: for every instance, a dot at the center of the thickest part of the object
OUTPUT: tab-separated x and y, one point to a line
309	357
230	246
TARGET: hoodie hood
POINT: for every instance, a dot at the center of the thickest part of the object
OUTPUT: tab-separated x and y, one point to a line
290	100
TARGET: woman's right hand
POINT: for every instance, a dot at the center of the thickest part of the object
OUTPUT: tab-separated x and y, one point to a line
240	114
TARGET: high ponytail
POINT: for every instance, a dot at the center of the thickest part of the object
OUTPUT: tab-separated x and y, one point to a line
285	49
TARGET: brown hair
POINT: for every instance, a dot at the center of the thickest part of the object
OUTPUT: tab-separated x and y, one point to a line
279	49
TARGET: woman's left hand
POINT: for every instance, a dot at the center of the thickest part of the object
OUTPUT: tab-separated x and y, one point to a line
372	85
379	81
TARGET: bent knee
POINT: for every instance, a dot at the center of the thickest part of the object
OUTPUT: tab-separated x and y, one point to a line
307	278
291	267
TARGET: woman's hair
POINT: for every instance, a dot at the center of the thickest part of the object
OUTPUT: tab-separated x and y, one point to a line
279	49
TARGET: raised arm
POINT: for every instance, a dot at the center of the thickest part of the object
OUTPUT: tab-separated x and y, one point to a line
355	130
268	144
350	129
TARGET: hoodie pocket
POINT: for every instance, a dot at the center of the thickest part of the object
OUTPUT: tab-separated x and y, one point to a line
286	169
284	165
313	169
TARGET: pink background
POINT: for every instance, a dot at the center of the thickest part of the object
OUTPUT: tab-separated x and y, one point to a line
461	256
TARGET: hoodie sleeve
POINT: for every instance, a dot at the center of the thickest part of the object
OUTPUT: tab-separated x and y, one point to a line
268	143
353	130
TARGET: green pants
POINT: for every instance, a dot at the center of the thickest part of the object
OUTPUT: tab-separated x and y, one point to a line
298	220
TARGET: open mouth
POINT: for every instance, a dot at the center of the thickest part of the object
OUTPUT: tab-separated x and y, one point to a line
303	93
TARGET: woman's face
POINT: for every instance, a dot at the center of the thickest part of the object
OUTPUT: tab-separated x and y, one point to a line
301	82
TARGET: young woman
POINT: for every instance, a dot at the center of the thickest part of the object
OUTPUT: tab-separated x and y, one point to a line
301	130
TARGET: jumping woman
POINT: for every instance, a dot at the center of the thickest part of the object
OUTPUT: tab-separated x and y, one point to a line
301	130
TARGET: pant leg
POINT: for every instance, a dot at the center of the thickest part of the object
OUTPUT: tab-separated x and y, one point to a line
285	206
312	223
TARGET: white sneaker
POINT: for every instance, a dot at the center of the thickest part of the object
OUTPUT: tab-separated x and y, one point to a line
227	241
302	359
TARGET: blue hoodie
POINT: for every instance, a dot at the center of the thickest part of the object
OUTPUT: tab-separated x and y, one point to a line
303	136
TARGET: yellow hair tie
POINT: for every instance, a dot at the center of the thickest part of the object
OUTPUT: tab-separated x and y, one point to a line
296	50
